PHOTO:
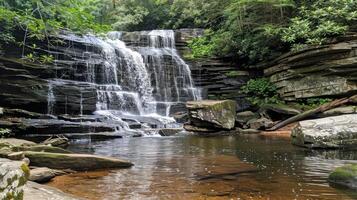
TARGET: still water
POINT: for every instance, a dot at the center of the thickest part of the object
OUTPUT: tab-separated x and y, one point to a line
188	167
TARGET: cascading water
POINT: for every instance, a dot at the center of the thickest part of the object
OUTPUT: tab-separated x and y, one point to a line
134	82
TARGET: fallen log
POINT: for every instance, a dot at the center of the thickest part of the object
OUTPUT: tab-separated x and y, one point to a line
323	108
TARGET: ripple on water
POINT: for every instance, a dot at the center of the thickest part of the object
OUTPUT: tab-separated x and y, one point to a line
245	167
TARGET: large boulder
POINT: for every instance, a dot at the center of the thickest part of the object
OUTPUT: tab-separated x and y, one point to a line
212	114
345	176
13	177
330	132
78	162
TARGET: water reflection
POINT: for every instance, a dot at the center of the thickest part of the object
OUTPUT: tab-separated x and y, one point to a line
244	167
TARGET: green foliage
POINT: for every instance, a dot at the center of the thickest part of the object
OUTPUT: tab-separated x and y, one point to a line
317	22
40	18
5	133
307	104
261	91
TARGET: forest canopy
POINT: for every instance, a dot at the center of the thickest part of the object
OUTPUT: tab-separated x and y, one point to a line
253	30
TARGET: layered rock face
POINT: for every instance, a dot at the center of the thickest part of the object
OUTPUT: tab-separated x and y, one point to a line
330	132
325	71
219	78
210	114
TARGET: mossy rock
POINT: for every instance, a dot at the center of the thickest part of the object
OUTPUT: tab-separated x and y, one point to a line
212	114
78	162
345	176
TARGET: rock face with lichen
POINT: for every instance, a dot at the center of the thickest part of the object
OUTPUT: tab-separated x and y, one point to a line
316	72
13	177
330	132
212	114
345	176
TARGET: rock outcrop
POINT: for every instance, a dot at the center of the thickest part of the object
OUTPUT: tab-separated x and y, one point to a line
345	176
212	114
330	132
220	78
13	177
328	70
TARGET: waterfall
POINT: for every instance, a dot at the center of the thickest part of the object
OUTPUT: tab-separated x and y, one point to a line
134	80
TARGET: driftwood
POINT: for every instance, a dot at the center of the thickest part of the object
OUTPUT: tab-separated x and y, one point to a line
323	108
221	176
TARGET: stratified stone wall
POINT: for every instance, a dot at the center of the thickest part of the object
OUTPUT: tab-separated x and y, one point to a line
13	177
220	78
324	71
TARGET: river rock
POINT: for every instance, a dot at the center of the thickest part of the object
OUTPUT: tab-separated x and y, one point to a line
44	174
59	141
330	132
260	124
243	117
345	176
78	162
169	131
180	117
212	114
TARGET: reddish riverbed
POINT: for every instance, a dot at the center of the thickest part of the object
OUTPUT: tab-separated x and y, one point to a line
244	167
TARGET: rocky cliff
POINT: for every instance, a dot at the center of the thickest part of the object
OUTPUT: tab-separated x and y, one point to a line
219	77
315	72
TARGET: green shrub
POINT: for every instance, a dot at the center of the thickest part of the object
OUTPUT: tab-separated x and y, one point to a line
5	133
261	91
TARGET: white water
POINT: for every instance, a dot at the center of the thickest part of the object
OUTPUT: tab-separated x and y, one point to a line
131	81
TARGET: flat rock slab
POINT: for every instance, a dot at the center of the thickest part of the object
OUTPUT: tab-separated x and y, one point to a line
35	191
330	132
78	162
212	114
17	142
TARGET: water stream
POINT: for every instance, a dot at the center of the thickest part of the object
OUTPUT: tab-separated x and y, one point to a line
243	167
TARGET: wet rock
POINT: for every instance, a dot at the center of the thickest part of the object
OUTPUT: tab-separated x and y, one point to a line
260	124
34	190
180	117
249	131
339	111
58	141
54	126
43	174
330	132
78	162
244	117
40	148
345	176
26	114
212	114
196	129
169	131
13	177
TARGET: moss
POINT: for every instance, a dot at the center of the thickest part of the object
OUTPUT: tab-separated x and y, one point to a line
344	173
26	170
234	74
